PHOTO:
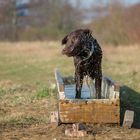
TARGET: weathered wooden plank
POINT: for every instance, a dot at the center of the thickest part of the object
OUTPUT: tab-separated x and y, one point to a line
60	84
110	88
93	111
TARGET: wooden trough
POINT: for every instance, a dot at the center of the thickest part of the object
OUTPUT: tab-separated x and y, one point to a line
87	109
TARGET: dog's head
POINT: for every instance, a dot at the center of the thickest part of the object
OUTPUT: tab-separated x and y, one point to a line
74	42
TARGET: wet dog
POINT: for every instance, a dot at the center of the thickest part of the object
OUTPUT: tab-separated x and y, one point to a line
87	55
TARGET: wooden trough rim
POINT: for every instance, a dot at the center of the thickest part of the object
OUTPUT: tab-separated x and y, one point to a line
61	89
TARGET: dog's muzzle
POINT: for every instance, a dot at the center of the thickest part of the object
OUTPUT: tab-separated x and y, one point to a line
66	52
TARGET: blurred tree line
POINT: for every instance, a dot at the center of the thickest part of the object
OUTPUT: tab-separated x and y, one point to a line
120	24
111	23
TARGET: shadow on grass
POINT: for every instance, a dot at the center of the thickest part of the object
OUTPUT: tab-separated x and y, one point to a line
130	100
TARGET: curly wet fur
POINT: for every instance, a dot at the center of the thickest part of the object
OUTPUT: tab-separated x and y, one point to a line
87	55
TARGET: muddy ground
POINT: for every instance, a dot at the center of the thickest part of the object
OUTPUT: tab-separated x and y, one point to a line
51	132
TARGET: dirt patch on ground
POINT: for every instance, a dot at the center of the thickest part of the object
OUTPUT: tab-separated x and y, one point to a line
51	132
26	119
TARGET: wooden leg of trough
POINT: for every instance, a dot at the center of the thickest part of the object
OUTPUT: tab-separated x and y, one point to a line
128	119
54	119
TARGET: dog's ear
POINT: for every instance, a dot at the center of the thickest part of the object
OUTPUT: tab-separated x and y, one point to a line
64	40
87	31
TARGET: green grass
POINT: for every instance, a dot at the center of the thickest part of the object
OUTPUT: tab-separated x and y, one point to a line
27	94
2	92
42	93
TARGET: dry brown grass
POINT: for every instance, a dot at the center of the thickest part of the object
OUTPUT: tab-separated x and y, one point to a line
117	61
123	64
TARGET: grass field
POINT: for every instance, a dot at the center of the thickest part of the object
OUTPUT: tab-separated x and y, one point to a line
27	93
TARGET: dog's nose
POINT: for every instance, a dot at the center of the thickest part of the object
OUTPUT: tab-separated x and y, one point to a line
64	51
